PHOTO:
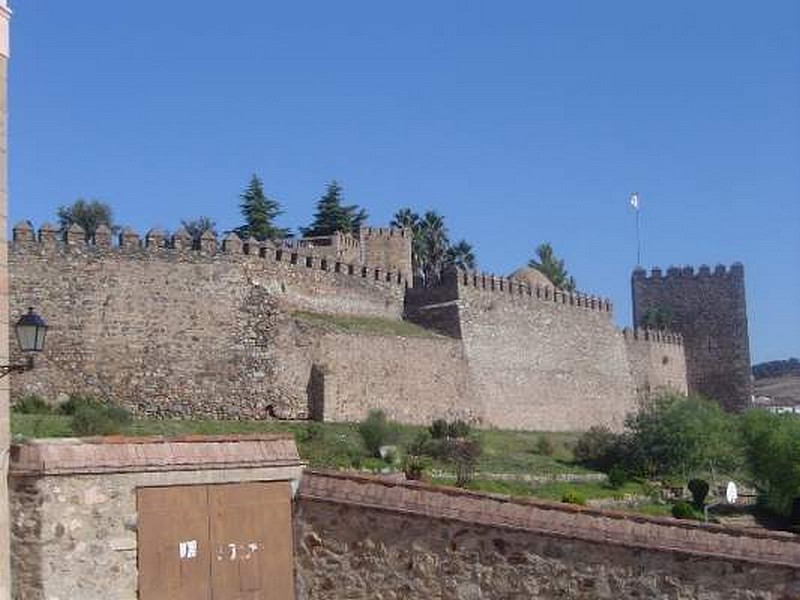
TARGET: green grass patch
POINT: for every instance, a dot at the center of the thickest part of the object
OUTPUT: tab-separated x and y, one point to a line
591	490
518	452
370	325
40	426
335	445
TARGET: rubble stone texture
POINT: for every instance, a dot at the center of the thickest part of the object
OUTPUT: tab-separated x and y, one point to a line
171	331
709	310
365	540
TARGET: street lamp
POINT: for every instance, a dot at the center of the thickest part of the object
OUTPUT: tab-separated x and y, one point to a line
30	331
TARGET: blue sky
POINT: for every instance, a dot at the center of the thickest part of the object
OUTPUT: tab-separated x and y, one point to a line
521	122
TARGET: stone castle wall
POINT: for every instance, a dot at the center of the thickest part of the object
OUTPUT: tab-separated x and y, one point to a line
389	247
544	363
413	380
171	331
74	507
339	246
174	332
657	361
364	538
538	358
709	310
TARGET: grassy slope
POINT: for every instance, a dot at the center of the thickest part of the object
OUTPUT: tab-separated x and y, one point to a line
334	444
339	446
368	325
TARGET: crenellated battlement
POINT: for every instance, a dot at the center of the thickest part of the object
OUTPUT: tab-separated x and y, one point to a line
156	241
688	272
708	306
488	282
384	232
652	335
338	240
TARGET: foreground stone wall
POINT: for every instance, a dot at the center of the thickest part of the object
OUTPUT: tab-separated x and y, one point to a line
362	538
176	332
74	510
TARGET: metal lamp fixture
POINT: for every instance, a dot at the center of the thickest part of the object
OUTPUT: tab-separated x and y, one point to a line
31	331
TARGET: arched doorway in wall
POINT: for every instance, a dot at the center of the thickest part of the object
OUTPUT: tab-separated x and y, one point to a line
316	393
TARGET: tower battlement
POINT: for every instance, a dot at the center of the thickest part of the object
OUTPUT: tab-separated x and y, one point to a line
688	271
708	308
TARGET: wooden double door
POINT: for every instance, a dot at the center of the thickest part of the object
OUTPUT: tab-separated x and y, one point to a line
216	542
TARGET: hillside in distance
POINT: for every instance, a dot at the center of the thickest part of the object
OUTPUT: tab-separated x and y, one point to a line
778	380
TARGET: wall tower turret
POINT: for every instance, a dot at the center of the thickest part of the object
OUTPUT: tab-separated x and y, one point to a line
709	310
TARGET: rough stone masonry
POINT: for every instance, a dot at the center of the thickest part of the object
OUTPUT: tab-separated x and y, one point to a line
171	331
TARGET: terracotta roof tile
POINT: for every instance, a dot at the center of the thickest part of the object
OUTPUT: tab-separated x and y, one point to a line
108	455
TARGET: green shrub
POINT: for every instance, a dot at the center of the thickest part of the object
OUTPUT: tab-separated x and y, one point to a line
441	449
439	429
683	510
96	418
573	497
598	448
699	489
420	445
390	456
376	431
465	454
75	401
414	467
772	445
31	404
677	434
374	465
617	477
545	446
311	433
458	429
356	458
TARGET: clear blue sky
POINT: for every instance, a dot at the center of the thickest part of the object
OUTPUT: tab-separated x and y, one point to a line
520	121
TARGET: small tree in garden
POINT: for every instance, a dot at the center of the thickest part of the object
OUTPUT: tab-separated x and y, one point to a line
699	490
465	454
376	431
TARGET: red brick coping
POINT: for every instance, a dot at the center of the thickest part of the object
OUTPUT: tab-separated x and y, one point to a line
63	456
553	518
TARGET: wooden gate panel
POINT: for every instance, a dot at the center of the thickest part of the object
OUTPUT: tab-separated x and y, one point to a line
251	541
173	543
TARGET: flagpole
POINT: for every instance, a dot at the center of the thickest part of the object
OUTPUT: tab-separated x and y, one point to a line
634	202
638	241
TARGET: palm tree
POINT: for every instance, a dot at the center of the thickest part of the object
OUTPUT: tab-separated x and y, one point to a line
552	267
462	256
431	251
434	244
405	218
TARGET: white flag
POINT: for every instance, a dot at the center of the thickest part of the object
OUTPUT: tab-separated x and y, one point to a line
635	200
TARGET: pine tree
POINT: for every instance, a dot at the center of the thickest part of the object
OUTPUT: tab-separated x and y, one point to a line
259	213
333	216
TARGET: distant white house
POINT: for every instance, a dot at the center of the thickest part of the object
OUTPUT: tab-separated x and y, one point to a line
776	406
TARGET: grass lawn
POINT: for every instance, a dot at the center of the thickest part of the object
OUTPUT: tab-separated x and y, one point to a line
337	445
373	325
